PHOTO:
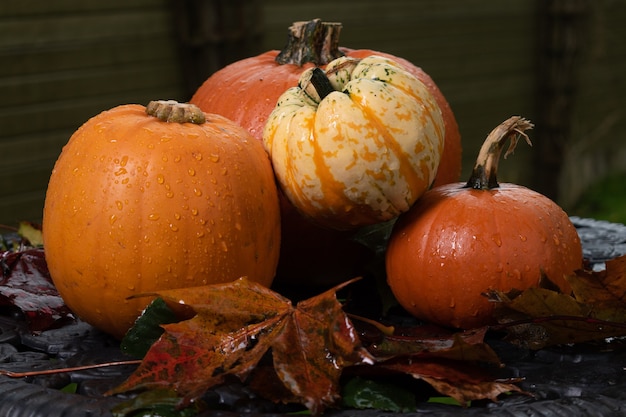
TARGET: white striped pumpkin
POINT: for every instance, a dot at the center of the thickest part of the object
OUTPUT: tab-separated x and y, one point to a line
361	152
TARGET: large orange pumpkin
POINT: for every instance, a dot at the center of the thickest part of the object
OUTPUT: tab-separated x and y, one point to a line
247	91
145	199
356	144
461	240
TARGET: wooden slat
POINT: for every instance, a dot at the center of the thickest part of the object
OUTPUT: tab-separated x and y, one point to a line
82	29
64	62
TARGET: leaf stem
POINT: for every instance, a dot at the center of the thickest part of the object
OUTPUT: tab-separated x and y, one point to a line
25	374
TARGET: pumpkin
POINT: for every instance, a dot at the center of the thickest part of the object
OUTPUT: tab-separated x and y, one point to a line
150	198
355	145
461	240
246	92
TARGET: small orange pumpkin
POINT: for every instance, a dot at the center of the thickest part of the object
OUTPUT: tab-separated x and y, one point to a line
461	240
146	199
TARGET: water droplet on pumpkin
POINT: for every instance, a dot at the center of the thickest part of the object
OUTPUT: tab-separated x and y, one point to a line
197	192
198	156
153	216
151	146
120	171
164	158
557	242
523	238
124	160
497	240
169	194
173	228
191	172
119	205
177	158
200	234
177	216
499	267
237	225
160	178
112	219
194	212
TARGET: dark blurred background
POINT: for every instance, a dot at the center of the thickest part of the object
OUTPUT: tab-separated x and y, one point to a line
560	63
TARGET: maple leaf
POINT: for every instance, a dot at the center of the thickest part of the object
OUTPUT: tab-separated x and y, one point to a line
540	317
234	325
463	381
25	283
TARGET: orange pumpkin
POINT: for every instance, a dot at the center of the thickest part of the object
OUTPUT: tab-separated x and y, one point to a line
356	144
145	199
247	91
461	240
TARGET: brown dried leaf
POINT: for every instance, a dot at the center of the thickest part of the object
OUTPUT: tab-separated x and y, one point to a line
540	317
234	326
463	381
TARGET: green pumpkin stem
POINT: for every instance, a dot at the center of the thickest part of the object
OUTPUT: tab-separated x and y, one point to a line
484	174
314	42
174	112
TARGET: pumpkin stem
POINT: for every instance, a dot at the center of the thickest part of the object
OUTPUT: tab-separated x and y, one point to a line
321	83
175	112
314	42
484	174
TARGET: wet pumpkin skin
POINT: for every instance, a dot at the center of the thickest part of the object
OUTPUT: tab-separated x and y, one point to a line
136	204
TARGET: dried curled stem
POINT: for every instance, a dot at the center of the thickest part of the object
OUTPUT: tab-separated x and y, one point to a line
484	174
174	112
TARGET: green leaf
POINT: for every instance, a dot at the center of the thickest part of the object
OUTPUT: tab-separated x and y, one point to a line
447	401
155	403
32	233
364	393
70	388
147	329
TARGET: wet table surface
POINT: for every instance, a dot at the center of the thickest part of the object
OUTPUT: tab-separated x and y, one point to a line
579	380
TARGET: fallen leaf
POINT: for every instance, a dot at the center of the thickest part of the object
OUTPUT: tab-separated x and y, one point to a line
428	342
603	293
463	381
25	283
234	326
541	317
